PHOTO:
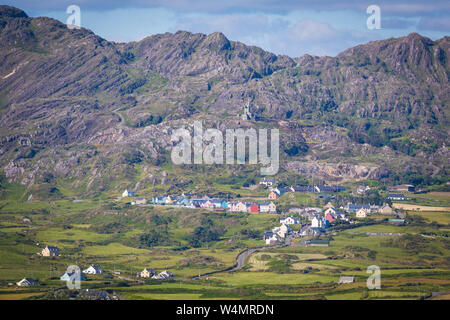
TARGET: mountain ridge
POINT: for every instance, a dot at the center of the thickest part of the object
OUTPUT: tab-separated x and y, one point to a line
67	94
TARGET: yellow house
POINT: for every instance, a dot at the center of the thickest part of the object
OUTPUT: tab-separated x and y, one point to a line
241	207
146	273
50	252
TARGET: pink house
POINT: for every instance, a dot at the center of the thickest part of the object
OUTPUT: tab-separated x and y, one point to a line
330	218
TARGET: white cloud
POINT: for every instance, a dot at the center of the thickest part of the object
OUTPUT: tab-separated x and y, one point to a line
308	29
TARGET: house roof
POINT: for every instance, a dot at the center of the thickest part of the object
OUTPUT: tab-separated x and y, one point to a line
216	200
352	206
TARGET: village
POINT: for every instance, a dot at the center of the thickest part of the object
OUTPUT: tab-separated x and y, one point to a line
311	221
307	226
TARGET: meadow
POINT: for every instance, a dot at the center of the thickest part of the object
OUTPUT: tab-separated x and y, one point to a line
414	264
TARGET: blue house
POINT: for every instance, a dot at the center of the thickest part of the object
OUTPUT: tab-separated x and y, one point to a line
182	201
219	203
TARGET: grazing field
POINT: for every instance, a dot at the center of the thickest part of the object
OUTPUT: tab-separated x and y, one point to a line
126	239
405	206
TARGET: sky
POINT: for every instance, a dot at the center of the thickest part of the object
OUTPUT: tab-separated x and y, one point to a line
290	27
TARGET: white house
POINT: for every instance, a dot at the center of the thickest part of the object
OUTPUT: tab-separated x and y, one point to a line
271	238
317	222
267	207
361	213
282	230
346	279
94	269
165	275
27	282
290	220
128	193
331	211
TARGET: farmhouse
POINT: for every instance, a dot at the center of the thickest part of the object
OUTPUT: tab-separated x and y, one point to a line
165	275
94	269
27	282
49	251
346	279
146	273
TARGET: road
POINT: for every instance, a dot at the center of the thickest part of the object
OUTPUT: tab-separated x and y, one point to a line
116	111
240	262
240	259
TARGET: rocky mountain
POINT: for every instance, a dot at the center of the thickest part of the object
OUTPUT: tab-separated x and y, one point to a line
81	113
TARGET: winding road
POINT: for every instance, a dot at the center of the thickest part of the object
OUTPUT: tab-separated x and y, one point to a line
240	262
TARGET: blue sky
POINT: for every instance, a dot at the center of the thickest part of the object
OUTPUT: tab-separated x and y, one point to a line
292	27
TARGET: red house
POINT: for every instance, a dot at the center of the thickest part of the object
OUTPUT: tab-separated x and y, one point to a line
329	217
254	208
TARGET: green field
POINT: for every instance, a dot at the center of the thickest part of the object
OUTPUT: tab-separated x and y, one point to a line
413	264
